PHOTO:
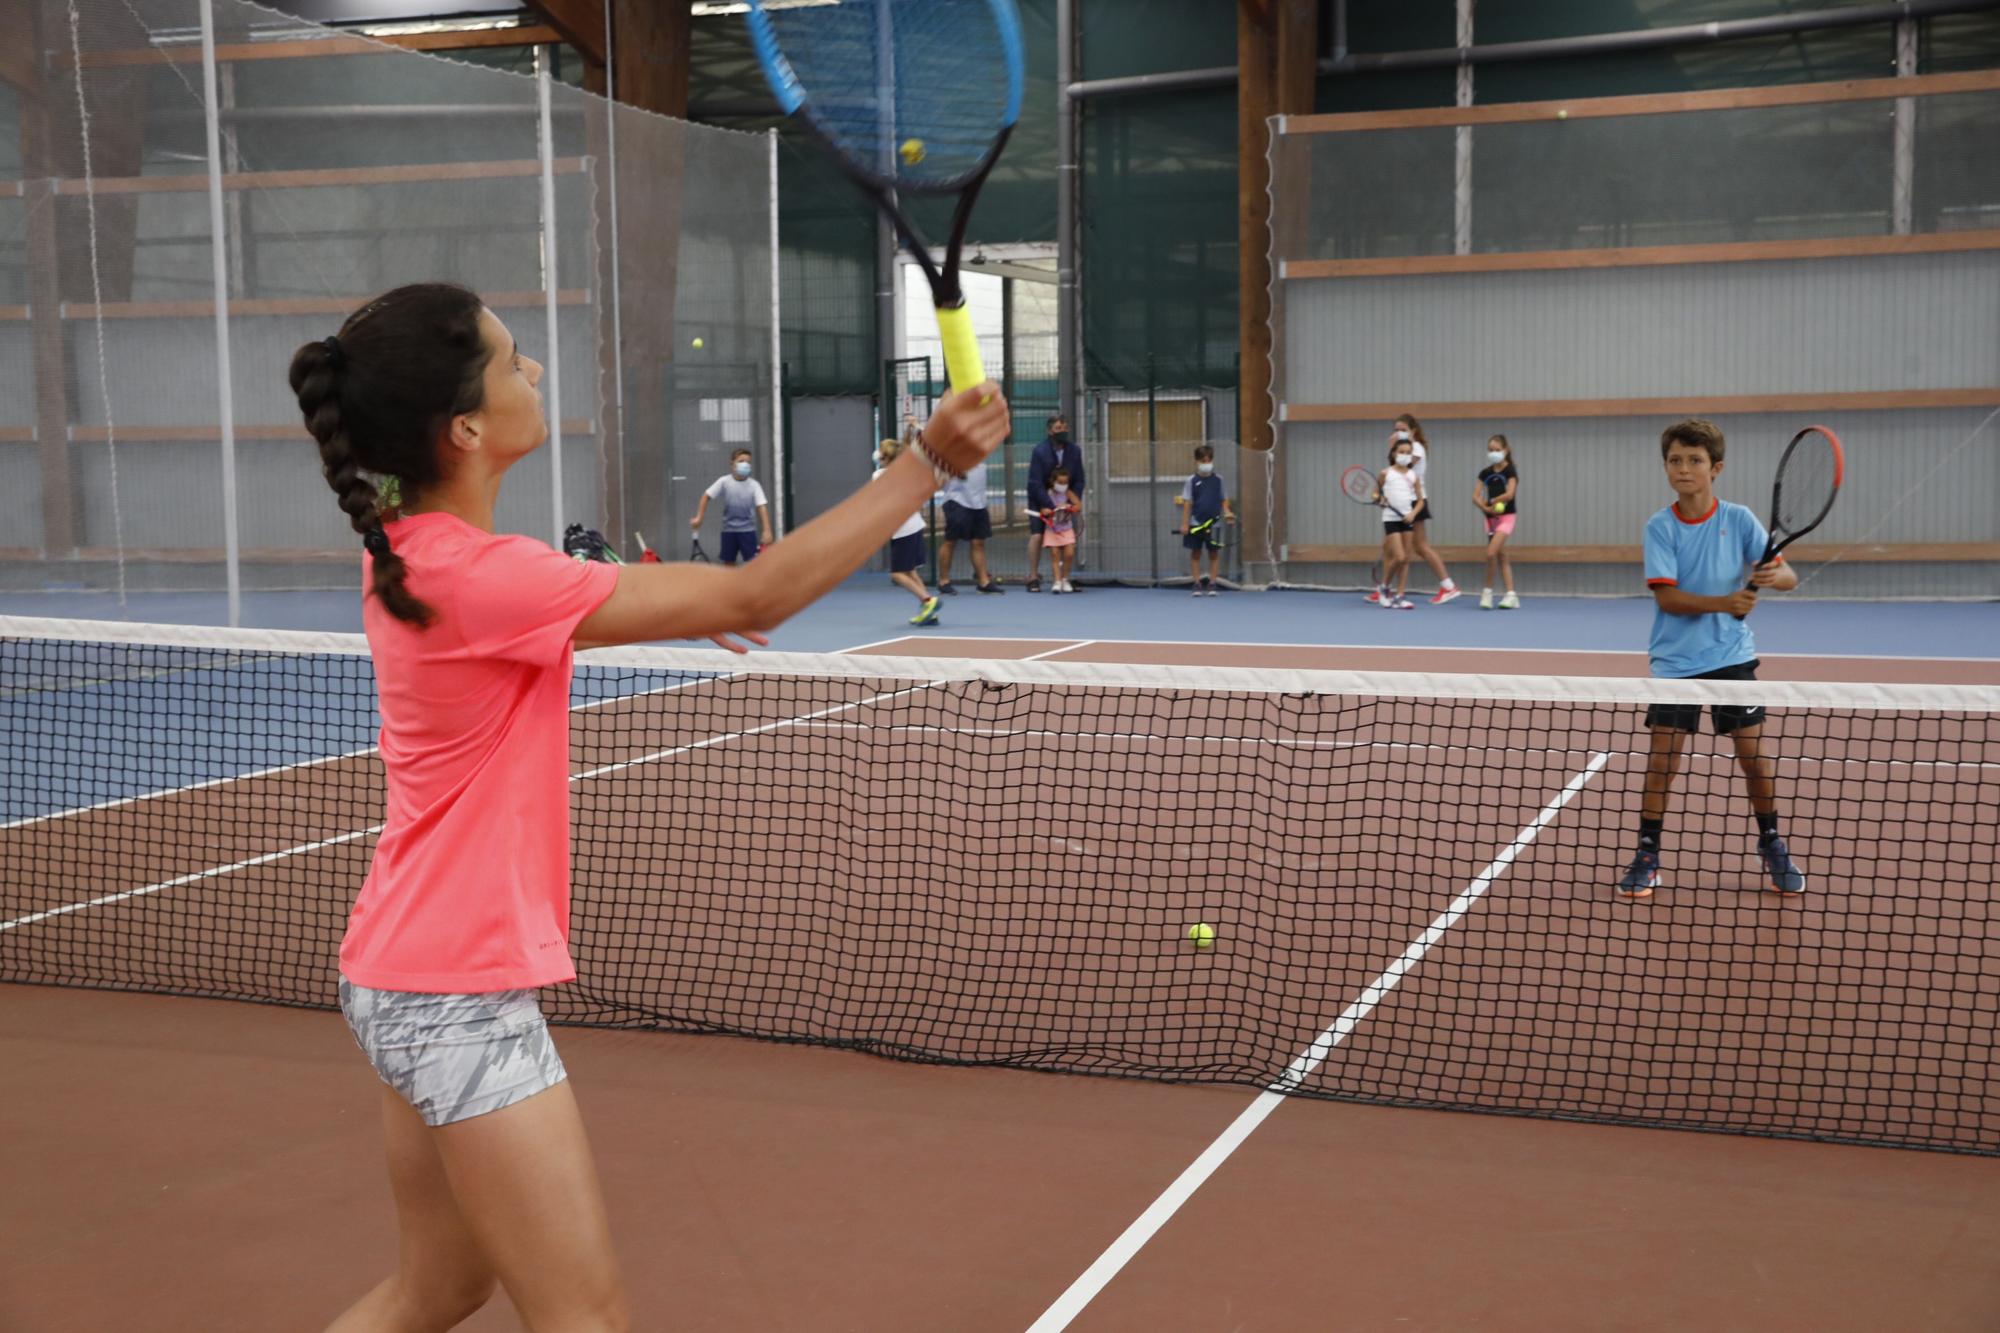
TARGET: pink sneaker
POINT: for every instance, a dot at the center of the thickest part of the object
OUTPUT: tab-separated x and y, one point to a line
1444	595
1375	597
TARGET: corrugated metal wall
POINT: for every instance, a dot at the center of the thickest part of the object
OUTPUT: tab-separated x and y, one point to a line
1833	325
1917	322
1594	481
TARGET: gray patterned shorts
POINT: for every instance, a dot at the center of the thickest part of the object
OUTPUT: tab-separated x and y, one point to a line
453	1057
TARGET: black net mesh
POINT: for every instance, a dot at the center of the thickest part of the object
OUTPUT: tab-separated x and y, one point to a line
1410	879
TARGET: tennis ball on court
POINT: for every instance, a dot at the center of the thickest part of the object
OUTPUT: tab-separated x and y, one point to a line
697	344
1202	934
1562	114
912	151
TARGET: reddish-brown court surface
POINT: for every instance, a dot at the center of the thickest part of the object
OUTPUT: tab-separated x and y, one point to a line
191	1164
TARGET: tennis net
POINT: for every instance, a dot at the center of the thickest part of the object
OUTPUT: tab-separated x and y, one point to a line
1409	877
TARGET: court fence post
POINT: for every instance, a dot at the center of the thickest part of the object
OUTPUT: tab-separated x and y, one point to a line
1152	463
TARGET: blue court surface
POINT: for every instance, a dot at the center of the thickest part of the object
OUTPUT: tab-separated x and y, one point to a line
866	609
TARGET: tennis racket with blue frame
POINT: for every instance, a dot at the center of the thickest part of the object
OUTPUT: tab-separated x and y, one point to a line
910	97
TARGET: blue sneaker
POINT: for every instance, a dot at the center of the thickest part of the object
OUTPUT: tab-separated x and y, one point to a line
1641	877
1785	877
928	615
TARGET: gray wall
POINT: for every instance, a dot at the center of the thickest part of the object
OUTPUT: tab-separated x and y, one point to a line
1832	326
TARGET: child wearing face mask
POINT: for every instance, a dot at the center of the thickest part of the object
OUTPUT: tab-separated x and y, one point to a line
1402	493
1059	525
744	510
1493	497
1204	506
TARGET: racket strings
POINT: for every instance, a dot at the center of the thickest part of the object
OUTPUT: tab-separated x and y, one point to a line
1806	484
913	90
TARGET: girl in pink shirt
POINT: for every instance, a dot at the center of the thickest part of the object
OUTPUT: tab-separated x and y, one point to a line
465	908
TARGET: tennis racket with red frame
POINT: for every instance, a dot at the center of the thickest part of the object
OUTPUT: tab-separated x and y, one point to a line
1807	484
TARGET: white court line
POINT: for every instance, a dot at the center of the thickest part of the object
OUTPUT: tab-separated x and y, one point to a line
1085	1288
1069	647
160	793
268	857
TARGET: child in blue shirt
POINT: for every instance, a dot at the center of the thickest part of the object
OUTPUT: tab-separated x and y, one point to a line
1204	506
1697	552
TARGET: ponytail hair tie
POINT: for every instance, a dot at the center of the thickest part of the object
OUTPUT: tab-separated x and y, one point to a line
376	541
335	357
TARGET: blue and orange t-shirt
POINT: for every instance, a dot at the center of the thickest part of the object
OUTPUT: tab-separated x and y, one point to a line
469	888
1709	557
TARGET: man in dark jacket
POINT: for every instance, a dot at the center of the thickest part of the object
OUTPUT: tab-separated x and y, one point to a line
1055	451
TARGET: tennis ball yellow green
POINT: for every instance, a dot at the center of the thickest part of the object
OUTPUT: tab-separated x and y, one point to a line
1202	934
1499	506
697	344
912	151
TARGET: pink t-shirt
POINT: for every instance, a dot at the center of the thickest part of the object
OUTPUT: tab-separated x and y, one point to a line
469	890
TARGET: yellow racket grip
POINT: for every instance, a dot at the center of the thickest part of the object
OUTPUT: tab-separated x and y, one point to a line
962	365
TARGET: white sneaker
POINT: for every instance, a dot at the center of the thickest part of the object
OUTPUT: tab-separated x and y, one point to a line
1401	604
1377	597
1510	602
1068	586
1486	599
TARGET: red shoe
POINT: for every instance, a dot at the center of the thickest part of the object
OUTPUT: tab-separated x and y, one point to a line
1444	595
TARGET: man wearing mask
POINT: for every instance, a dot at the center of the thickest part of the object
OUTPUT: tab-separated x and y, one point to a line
1055	451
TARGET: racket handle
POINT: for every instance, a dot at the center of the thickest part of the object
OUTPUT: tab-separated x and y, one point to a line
962	363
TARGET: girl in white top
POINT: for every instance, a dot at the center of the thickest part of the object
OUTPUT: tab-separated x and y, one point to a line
1402	493
1406	426
906	548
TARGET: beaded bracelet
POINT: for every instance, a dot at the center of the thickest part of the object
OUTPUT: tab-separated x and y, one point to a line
941	471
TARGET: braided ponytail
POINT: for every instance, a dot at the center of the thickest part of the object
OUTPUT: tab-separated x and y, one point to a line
377	398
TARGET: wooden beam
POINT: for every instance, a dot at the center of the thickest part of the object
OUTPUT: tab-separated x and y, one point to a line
313	47
295	305
650	42
291	431
1649	104
1277	47
1645	256
18	67
424	173
1871	553
1802	403
581	23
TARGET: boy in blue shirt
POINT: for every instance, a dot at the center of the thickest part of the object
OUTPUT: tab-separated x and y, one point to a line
1697	550
1204	506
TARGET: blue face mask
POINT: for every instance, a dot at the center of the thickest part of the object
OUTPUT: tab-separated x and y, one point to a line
742	471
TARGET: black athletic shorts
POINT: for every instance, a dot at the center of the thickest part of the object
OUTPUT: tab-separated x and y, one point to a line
962	524
1725	717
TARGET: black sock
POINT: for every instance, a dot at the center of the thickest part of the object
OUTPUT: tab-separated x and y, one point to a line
1767	825
1649	834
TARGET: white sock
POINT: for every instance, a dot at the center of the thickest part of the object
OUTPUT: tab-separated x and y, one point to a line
1447	585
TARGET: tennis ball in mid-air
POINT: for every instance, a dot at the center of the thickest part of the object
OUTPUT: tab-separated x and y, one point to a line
1499	506
912	151
1202	934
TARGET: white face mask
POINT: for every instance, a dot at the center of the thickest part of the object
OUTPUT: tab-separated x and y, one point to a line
742	471
1402	460
1495	457
1204	468
1059	491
